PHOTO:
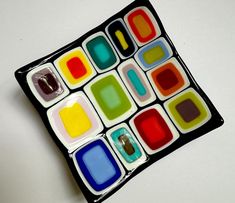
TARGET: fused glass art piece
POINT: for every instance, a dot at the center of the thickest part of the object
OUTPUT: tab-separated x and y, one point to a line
117	100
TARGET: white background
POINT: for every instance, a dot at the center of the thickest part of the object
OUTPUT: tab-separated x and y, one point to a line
32	169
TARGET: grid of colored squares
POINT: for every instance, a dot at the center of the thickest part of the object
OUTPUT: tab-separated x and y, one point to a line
113	122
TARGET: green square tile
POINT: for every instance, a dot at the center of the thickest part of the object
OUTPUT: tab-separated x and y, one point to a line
111	97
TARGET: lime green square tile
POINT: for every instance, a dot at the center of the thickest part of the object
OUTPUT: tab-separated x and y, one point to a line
188	110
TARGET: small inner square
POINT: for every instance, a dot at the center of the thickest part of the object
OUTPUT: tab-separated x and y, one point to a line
76	67
154	54
103	170
75	120
126	144
48	83
101	52
188	110
142	26
110	97
167	79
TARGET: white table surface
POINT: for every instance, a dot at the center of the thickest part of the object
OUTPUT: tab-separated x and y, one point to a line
32	169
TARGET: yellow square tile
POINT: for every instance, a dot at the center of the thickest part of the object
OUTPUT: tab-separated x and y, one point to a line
75	68
75	120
